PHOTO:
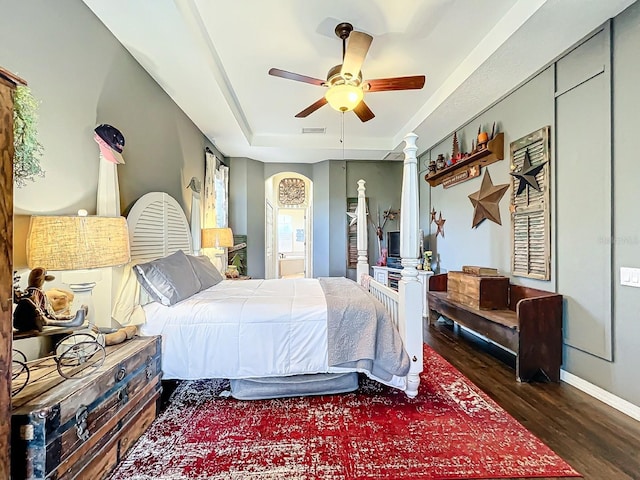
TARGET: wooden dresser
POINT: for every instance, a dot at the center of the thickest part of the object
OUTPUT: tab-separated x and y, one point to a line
82	427
8	83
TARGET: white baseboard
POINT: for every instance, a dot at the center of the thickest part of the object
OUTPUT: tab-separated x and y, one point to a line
609	398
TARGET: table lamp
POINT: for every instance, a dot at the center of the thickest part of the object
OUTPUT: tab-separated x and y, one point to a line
64	243
218	238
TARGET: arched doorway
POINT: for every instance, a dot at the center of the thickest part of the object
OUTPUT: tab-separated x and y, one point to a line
288	239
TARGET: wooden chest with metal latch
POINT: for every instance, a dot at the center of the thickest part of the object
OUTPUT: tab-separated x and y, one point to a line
82	427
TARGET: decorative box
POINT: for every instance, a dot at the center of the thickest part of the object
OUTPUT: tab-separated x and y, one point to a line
479	292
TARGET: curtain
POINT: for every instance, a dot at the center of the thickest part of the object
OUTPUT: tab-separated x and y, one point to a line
196	215
216	193
216	204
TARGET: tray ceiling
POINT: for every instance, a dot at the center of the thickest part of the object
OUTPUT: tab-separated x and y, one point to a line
212	58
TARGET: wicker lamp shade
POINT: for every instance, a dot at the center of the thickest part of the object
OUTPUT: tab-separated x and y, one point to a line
217	237
77	242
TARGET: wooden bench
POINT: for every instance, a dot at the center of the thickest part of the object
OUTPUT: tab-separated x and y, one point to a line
531	327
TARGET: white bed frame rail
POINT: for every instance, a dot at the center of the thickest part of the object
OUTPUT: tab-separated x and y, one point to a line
387	296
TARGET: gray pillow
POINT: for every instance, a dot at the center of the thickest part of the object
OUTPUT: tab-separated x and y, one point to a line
168	280
206	271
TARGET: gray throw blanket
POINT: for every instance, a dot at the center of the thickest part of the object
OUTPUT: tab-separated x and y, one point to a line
361	334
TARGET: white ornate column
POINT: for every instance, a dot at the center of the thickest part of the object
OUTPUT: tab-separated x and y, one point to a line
362	240
107	205
108	193
409	288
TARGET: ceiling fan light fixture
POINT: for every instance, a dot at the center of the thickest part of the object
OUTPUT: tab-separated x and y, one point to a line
344	97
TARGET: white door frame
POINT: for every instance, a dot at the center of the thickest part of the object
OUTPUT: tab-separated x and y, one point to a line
269	257
271	218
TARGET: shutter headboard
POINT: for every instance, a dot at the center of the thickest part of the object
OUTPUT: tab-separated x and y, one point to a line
157	227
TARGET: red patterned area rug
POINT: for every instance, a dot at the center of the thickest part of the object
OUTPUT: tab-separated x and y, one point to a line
451	431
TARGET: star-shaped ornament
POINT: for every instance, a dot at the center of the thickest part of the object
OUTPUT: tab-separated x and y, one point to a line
353	216
433	215
440	223
486	201
527	174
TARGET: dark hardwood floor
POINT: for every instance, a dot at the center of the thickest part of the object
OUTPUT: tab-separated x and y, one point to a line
597	440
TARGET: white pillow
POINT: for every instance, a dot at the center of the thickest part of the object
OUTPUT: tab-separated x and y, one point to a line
168	280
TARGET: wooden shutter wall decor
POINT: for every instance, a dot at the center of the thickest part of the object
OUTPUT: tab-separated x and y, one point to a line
352	232
530	210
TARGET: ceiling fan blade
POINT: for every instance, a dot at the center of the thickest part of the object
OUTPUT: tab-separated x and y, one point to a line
312	108
357	49
363	112
398	83
276	72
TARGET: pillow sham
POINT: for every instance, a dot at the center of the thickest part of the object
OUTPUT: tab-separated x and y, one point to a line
206	271
168	280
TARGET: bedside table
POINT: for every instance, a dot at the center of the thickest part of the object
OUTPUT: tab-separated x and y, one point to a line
82	427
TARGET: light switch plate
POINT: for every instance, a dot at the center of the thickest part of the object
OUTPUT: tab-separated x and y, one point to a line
630	277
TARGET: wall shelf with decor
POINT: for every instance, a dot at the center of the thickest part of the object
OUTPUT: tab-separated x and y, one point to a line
493	152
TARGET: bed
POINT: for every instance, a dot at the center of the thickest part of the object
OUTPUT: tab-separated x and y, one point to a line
285	330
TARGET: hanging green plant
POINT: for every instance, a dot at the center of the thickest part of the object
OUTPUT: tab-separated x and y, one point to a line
28	150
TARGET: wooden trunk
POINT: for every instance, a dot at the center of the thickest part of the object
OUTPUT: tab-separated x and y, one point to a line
480	292
81	427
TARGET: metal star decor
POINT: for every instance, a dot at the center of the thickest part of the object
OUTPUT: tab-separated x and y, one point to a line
485	201
354	217
527	174
433	215
440	223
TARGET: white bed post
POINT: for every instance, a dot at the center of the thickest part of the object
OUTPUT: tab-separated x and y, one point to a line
409	288
362	240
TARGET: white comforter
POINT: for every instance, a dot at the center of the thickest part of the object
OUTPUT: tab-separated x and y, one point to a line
241	329
259	328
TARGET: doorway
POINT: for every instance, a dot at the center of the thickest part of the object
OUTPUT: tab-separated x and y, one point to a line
288	242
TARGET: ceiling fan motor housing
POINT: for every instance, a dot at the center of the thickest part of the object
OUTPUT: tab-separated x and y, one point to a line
334	78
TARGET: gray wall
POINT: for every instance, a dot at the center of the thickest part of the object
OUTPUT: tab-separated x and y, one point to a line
247	210
83	77
337	226
587	153
321	231
524	111
622	375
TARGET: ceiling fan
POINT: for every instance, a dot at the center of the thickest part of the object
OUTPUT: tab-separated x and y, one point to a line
344	82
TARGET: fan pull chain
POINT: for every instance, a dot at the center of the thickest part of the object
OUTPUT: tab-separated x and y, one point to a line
342	134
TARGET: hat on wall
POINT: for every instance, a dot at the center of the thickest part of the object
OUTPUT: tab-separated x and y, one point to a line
110	141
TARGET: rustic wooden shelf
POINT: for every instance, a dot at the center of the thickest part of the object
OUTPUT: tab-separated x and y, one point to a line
493	152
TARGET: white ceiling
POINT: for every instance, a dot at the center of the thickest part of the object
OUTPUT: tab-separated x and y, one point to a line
212	58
